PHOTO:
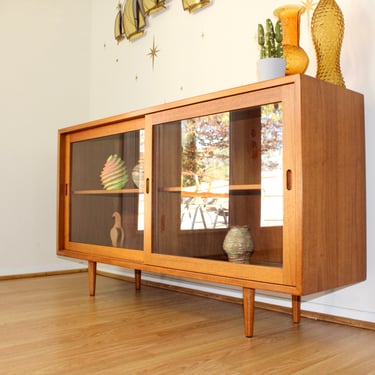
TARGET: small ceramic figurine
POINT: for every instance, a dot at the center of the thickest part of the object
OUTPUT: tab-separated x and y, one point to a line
117	232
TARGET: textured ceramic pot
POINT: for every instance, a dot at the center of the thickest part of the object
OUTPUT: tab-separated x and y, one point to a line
238	244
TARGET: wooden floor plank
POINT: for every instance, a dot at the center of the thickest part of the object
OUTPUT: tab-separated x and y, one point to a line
50	325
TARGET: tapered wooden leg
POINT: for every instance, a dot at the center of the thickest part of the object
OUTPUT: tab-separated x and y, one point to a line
92	277
296	309
137	278
248	310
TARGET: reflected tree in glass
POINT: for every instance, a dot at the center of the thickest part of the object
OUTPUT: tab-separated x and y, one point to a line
272	164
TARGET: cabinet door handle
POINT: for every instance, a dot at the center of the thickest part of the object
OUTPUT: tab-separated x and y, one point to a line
147	185
289	179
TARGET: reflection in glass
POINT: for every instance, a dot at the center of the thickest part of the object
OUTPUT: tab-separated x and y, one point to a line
272	165
205	172
219	171
205	169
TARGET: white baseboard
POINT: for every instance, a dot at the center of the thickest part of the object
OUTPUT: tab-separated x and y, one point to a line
307	304
60	265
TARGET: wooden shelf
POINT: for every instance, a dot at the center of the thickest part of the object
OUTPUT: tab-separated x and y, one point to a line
245	187
211	194
172	189
93	192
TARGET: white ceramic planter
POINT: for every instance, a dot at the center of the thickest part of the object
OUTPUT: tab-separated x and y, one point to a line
271	67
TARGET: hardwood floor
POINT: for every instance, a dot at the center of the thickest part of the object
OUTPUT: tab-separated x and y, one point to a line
49	325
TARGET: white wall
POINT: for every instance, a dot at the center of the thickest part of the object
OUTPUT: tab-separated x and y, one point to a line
44	85
57	70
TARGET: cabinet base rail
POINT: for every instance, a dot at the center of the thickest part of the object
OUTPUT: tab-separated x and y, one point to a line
248	299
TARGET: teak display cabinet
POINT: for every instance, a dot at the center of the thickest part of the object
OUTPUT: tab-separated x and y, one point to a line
284	157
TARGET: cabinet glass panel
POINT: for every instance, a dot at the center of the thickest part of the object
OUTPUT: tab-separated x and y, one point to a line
106	195
219	171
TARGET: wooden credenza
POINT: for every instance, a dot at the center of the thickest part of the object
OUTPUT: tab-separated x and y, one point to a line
284	157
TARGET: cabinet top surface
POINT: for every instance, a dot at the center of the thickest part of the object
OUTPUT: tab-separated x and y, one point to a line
295	79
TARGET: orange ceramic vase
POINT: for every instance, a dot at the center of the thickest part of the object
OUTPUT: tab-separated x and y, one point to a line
296	58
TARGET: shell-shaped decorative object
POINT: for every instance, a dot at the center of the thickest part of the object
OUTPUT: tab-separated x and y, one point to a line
114	175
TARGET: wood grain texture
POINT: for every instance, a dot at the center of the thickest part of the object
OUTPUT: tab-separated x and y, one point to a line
50	326
333	187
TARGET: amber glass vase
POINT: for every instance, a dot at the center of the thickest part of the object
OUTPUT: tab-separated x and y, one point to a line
327	29
296	58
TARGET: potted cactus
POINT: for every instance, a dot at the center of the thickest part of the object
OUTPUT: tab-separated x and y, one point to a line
271	63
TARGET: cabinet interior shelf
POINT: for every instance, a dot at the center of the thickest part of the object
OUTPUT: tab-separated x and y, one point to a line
211	194
99	191
246	187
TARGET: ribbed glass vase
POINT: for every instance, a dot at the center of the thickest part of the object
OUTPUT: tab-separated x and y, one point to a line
327	29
